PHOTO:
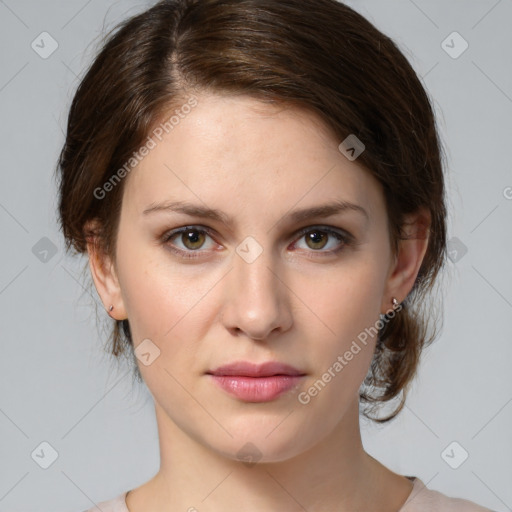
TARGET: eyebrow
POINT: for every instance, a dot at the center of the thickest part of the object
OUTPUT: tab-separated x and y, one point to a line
321	211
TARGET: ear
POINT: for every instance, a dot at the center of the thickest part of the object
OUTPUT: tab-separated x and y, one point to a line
104	274
406	265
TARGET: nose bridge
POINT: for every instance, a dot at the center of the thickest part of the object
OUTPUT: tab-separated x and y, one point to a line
256	301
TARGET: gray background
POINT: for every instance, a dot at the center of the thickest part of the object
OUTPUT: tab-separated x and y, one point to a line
57	386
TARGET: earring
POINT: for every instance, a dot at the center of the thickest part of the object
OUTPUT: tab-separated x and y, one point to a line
395	302
111	307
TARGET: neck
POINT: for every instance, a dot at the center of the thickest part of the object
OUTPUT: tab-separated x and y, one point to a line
335	474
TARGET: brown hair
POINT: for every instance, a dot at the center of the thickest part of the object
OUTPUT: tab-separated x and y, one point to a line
318	55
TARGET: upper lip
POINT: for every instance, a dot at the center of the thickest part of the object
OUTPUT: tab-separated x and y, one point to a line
248	369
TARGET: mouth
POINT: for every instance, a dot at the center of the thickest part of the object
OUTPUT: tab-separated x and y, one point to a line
256	383
248	369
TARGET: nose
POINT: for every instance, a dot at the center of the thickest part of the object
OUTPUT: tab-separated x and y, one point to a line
256	298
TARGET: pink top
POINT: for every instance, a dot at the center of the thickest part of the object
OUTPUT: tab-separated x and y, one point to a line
421	499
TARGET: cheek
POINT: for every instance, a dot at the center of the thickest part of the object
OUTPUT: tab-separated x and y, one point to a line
162	297
341	343
341	327
344	299
148	290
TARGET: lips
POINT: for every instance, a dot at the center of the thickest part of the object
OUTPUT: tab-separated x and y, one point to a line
251	382
247	369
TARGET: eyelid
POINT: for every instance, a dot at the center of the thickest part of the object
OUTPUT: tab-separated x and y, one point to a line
189	227
329	229
211	232
345	238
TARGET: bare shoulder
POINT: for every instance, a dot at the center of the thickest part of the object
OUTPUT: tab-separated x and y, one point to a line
423	499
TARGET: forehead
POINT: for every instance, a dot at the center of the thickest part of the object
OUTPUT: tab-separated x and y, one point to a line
240	151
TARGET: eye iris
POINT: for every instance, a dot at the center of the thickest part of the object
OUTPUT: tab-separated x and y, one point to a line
313	237
191	236
194	239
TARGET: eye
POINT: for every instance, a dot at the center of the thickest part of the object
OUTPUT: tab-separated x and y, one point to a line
317	238
192	240
191	237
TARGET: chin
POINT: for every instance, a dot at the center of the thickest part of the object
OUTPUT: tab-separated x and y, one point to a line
256	442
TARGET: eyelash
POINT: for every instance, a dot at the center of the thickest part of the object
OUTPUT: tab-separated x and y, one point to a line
346	239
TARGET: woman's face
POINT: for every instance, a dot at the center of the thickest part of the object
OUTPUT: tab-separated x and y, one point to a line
265	284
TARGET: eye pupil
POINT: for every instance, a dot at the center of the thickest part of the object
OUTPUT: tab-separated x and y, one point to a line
313	236
191	236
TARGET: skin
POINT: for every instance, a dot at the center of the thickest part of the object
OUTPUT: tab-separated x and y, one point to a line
294	303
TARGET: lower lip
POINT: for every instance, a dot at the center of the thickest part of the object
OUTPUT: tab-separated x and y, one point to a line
256	389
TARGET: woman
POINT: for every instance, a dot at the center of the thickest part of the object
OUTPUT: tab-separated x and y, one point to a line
259	187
